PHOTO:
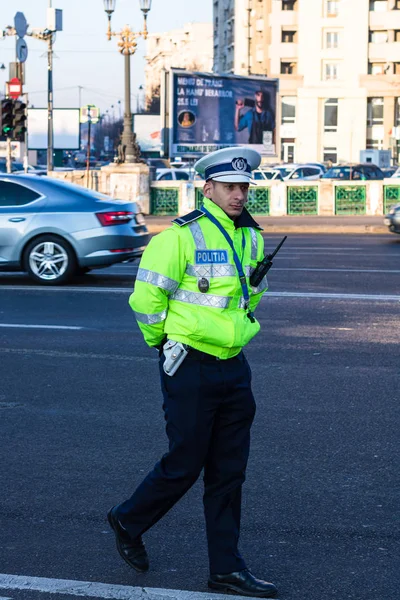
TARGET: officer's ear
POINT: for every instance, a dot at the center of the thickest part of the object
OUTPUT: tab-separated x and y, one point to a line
208	188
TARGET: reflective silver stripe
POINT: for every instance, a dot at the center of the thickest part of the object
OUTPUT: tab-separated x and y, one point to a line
256	290
212	270
254	244
248	270
157	279
198	236
151	319
201	299
260	288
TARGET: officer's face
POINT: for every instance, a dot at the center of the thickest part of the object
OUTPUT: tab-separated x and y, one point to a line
231	197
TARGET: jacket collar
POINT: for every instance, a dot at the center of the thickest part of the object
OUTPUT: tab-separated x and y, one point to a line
244	220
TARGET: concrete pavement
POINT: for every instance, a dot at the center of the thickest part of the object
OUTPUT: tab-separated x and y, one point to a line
293	224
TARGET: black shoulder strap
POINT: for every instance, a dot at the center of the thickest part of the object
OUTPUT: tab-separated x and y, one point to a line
189	218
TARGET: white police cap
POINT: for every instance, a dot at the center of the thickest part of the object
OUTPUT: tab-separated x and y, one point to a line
229	165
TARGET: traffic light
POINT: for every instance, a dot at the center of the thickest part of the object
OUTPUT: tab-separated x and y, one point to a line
7	117
19	121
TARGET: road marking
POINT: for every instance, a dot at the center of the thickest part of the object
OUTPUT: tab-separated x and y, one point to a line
93	589
324	295
80	355
317	296
337	270
24	326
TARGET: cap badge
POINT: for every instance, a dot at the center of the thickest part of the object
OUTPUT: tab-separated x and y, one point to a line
239	164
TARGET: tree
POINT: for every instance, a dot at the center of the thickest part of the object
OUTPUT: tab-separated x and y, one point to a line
153	101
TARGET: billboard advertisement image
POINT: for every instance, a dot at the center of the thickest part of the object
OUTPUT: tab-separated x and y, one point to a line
65	128
210	112
148	132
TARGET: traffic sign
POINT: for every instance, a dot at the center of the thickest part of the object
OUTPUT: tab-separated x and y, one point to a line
22	50
20	24
14	88
90	112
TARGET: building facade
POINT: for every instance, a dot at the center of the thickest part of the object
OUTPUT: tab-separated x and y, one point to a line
188	48
338	62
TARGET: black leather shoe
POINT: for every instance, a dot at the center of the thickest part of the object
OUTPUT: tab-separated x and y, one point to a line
242	582
131	550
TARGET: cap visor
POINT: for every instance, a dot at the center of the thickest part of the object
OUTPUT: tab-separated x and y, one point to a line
234	178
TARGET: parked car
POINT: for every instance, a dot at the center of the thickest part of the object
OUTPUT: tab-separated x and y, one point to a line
158	163
366	171
388	171
317	164
267	174
392	220
53	230
295	171
396	173
18	167
172	175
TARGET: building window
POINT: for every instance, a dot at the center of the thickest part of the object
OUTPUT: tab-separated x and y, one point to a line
289	37
397	113
331	71
288	109
332	8
289	4
331	114
332	39
378	5
330	155
396	5
397	35
374	111
376	68
397	68
378	37
288	68
374	144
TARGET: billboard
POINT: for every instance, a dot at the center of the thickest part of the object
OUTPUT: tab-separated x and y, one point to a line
148	132
209	112
65	128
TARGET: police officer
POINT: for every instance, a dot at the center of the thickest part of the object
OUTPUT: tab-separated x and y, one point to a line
194	302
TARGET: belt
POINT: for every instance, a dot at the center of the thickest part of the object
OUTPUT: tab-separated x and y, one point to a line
199	355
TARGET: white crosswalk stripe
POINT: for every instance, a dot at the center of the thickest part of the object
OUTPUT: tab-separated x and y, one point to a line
91	589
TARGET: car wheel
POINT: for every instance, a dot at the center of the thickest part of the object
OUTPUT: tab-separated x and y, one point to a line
49	260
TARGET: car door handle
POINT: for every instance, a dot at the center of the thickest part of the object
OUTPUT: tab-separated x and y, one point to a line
17	219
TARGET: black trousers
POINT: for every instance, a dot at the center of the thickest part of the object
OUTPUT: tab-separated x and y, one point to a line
209	408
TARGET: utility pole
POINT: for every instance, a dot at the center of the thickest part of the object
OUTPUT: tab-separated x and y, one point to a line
8	149
249	38
88	147
50	160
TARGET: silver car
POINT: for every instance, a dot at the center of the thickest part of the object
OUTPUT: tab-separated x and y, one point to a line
54	230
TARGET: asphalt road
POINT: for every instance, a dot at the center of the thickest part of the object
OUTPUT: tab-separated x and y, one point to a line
81	424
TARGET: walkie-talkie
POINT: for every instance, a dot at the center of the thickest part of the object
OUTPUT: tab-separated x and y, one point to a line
264	266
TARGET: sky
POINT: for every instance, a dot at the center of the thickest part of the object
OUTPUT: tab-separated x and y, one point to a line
82	55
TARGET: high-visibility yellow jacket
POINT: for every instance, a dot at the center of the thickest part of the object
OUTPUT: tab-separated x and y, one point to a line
167	300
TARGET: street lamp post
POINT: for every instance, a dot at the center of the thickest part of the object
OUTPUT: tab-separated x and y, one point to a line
127	46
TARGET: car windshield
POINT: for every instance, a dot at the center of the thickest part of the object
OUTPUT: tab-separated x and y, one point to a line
269	174
337	173
182	175
285	171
